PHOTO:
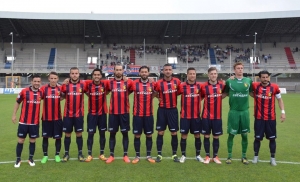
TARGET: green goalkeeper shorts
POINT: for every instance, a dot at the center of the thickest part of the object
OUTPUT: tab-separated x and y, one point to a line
238	122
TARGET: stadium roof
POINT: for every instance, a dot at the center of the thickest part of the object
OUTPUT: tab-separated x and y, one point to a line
157	21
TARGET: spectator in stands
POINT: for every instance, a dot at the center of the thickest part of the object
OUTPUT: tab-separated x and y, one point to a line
269	56
274	44
297	49
266	58
92	45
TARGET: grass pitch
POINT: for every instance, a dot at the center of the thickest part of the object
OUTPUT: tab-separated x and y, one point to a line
287	155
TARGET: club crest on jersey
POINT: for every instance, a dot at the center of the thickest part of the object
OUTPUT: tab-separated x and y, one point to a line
80	90
197	91
58	93
102	89
124	87
246	85
220	91
270	94
149	89
175	86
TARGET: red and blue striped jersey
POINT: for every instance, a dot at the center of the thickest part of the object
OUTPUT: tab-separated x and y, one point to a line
264	101
31	101
119	100
143	100
97	97
190	100
74	103
212	106
167	92
51	103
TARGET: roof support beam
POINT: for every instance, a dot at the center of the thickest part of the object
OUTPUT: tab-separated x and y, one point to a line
99	29
251	27
265	28
166	29
83	35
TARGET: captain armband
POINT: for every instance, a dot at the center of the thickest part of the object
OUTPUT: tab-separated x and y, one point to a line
278	96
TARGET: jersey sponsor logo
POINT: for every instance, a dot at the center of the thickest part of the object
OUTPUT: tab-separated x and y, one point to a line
96	93
119	89
192	95
267	97
74	93
169	91
214	95
53	96
245	84
239	95
35	101
144	93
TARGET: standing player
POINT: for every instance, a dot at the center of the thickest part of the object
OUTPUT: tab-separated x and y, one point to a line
167	113
238	91
51	117
264	94
143	113
73	112
190	113
97	112
212	114
29	119
119	112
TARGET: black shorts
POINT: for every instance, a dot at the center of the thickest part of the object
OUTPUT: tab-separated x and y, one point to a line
167	116
264	128
141	123
52	129
118	120
70	122
213	126
31	130
96	120
192	125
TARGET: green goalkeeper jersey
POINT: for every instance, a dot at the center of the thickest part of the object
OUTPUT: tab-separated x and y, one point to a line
238	90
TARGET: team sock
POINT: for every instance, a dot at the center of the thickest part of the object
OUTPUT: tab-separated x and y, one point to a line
57	146
79	142
67	143
183	146
159	143
198	145
229	145
149	145
256	147
137	146
174	144
45	146
90	142
102	142
216	144
244	144
112	143
272	146
31	149
125	142
19	149
206	143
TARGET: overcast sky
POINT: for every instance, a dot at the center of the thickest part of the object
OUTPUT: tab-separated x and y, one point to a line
149	6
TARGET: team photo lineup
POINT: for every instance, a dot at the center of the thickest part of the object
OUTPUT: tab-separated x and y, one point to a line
200	113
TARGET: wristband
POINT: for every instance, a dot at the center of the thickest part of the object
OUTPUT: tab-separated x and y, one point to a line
282	112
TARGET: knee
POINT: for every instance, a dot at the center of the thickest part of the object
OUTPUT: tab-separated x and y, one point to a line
21	140
32	140
137	136
78	134
161	132
174	133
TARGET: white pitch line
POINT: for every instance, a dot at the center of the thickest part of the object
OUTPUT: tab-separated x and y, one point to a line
169	158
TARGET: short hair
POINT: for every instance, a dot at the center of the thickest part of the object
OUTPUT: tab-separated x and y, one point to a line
263	72
237	64
74	68
167	64
189	69
53	73
118	64
144	67
35	76
97	69
211	69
